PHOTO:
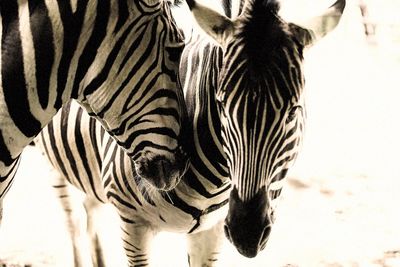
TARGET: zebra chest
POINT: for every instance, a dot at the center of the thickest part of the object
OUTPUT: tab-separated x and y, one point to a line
181	210
173	211
188	209
183	217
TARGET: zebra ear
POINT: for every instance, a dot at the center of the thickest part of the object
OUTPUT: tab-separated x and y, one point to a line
216	25
304	36
316	28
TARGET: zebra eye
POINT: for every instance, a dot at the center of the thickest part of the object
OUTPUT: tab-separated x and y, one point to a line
292	113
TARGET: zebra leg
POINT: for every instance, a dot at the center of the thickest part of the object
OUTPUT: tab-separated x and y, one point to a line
1	210
72	202
93	210
204	247
136	238
6	180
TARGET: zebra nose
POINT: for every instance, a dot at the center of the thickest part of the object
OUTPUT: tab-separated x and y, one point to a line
245	248
264	237
248	223
159	172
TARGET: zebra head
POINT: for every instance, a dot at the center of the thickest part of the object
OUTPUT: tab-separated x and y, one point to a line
260	95
143	106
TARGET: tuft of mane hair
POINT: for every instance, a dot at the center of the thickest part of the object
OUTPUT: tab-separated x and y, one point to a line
264	33
176	3
272	5
227	6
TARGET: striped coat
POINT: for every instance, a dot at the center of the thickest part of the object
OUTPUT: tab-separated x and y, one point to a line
118	58
245	124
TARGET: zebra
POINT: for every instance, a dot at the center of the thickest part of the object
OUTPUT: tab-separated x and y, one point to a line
119	59
87	158
247	88
245	124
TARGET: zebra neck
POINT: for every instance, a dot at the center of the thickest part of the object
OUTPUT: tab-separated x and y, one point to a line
200	79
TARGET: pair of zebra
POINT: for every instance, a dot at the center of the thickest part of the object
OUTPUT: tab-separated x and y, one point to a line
244	94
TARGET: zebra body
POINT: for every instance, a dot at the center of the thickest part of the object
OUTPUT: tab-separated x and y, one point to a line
118	58
242	140
88	158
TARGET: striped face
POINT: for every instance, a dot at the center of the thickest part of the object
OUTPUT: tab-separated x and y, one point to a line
261	103
119	59
262	117
145	113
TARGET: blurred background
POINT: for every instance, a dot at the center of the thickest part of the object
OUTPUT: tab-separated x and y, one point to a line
340	206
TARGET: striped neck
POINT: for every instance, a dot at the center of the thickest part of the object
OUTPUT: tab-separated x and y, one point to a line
207	157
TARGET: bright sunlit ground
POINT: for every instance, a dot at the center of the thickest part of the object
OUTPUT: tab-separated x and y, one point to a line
340	206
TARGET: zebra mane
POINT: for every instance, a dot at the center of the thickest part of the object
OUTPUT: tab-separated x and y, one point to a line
176	3
263	32
227	6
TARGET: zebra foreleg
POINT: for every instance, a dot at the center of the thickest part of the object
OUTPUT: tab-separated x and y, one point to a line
1	210
72	202
204	247
94	211
136	239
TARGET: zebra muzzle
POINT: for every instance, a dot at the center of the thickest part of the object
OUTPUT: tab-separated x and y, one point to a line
248	224
161	172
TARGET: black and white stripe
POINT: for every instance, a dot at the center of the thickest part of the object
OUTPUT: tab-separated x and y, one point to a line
256	111
88	158
118	58
245	123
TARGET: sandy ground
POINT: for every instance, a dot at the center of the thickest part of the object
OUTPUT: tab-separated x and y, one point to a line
340	206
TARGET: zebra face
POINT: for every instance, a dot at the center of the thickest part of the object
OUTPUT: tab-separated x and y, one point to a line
262	128
160	155
145	113
261	105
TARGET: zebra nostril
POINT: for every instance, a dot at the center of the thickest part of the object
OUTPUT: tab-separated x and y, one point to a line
165	167
265	236
227	233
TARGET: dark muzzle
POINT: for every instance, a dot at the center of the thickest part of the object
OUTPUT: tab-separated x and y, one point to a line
248	224
162	173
